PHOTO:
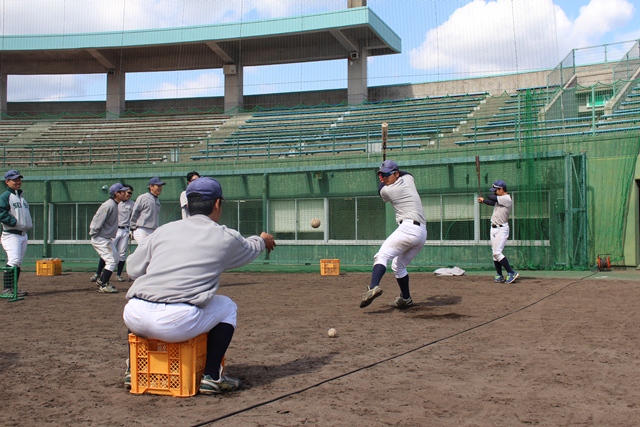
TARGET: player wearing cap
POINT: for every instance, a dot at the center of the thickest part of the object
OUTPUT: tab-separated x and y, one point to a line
176	272
191	176
16	221
121	242
145	215
103	229
402	246
501	202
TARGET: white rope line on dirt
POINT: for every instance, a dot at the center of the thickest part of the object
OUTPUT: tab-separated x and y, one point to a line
379	362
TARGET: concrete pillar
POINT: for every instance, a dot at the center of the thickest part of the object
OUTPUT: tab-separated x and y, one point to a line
3	95
115	93
233	87
357	89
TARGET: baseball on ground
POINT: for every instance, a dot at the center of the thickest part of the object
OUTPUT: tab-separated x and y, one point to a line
332	333
315	223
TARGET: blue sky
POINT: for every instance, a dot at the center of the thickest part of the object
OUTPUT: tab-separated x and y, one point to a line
441	40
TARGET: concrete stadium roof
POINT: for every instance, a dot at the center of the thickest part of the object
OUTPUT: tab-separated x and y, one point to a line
319	37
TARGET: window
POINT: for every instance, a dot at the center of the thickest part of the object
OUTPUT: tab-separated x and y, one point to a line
71	221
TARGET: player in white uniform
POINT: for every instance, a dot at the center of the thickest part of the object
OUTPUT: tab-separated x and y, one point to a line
402	246
191	176
501	202
16	221
176	272
121	242
145	215
103	229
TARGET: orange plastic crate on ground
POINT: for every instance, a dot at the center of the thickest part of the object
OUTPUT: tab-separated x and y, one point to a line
49	267
330	267
170	369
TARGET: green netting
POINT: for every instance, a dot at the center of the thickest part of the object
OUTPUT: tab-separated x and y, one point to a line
568	161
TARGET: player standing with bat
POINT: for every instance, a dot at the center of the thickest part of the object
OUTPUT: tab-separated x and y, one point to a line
501	202
402	246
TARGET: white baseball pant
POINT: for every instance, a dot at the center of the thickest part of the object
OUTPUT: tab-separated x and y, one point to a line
104	247
15	245
141	233
402	246
179	321
120	244
499	236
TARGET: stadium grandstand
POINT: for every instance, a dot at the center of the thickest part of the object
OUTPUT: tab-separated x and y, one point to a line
565	139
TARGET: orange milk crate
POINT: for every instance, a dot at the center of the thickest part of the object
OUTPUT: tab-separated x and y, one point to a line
49	267
170	369
330	267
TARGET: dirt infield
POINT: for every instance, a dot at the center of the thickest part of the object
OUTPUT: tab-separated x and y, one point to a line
542	352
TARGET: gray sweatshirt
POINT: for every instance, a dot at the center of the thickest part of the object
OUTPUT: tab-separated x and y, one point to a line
182	261
105	221
124	213
146	212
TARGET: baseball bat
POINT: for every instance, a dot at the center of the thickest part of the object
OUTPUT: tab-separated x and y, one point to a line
478	173
385	135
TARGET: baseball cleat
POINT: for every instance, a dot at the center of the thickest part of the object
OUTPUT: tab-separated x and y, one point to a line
401	302
107	289
94	278
224	384
9	291
370	295
119	278
512	277
498	279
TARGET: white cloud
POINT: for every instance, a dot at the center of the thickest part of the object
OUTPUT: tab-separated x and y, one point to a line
204	84
56	88
83	16
485	37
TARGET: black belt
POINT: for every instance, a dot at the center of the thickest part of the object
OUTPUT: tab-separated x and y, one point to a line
497	225
414	222
122	228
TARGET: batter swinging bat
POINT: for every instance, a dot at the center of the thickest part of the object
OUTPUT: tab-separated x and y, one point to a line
478	173
385	135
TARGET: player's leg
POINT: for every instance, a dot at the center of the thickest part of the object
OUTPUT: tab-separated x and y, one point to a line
120	253
400	263
222	311
394	245
13	246
103	247
501	235
512	275
496	250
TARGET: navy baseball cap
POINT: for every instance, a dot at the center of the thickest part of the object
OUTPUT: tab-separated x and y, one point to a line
155	181
12	174
116	187
388	166
208	188
498	184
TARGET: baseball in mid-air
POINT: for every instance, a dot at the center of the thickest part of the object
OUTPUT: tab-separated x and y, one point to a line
332	333
315	223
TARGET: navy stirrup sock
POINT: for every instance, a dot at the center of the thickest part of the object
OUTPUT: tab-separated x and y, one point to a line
403	282
218	342
506	265
498	268
101	265
376	275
